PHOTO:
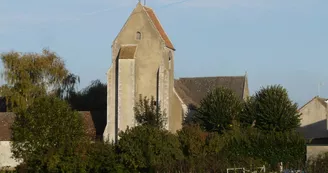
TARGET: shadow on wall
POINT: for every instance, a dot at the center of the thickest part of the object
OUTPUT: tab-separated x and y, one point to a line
315	130
189	117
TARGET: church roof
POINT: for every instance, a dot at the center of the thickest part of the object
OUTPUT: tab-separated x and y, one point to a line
193	90
127	52
159	27
7	119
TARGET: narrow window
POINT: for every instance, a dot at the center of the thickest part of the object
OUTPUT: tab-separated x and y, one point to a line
170	59
138	35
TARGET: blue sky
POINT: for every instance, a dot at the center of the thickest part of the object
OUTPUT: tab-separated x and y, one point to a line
275	41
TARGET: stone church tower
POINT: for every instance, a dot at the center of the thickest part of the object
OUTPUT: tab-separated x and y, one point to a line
142	63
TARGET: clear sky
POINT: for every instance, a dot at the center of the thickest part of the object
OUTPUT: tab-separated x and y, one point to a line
276	41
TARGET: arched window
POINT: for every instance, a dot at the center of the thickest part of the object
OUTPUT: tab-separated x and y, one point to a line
138	35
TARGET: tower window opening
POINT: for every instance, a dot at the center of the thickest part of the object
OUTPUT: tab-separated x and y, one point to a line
138	35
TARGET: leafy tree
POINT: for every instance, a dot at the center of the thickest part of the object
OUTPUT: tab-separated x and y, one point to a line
91	98
30	75
147	113
218	109
102	158
68	86
273	147
193	145
271	110
318	163
149	149
49	137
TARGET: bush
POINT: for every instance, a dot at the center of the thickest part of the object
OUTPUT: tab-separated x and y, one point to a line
318	164
148	149
102	158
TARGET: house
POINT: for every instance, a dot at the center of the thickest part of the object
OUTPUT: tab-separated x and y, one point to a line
143	64
314	125
7	119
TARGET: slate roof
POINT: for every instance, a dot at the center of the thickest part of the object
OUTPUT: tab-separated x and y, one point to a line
127	52
159	27
193	90
7	119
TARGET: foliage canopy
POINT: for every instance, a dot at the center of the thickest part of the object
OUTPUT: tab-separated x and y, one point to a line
30	75
149	114
49	136
218	109
272	110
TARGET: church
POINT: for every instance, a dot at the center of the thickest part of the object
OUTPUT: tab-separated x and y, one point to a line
143	64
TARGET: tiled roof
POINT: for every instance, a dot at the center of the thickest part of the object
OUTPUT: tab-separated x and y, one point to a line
7	119
193	90
127	52
159	27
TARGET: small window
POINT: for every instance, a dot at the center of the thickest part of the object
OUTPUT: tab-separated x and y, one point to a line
138	35
170	58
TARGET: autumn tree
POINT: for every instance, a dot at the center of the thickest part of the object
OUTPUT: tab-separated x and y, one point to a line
148	113
271	109
30	75
218	109
49	137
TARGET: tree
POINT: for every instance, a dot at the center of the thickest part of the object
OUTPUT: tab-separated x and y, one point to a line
193	145
102	158
218	109
271	110
91	98
147	113
68	86
49	137
149	149
30	75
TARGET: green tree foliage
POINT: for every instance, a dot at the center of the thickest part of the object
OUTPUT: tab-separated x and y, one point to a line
49	137
148	113
30	75
68	86
271	110
218	109
193	145
274	147
102	158
318	164
149	149
91	98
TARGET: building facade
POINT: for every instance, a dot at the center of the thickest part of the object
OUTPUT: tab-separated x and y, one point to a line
143	65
